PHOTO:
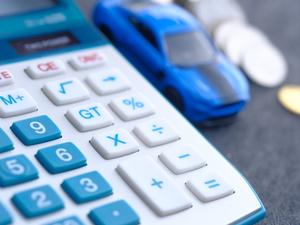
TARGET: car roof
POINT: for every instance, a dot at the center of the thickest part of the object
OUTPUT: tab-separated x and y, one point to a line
161	18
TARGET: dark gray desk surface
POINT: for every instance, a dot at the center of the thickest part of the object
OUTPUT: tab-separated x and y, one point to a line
264	144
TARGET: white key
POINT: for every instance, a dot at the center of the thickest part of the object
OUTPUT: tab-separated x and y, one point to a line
182	160
131	107
66	91
209	187
45	69
89	117
153	185
87	60
6	78
114	144
156	132
106	82
16	102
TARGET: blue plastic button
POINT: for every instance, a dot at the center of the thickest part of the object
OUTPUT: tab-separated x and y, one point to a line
36	130
15	170
61	158
72	220
38	201
115	213
87	187
5	218
5	142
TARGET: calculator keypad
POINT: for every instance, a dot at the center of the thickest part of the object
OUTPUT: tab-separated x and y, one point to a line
114	144
37	201
89	117
16	102
36	130
61	158
66	91
118	122
15	170
87	187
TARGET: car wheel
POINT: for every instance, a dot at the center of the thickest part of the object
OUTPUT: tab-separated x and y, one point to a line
104	29
174	96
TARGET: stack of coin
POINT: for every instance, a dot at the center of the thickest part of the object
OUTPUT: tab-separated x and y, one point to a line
245	45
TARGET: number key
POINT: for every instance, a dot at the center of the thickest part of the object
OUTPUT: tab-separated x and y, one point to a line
5	142
71	220
61	158
15	170
37	201
87	187
5	217
36	130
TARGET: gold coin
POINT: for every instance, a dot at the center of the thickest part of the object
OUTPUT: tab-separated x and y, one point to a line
289	97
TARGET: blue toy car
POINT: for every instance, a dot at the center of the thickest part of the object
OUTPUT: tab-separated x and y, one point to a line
175	53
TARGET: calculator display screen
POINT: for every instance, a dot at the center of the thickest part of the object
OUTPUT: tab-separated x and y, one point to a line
13	7
44	42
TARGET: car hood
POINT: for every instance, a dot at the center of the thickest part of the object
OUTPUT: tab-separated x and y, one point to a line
216	83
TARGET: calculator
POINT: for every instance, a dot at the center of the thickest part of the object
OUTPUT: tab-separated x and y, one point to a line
85	139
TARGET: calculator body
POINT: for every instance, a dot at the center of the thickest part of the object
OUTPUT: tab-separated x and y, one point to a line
30	68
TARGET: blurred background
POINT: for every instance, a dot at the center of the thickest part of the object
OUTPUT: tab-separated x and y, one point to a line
264	144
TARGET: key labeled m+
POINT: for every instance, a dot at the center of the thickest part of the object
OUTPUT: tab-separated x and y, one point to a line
16	102
10	99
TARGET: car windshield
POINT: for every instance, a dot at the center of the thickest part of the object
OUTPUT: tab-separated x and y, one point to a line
188	49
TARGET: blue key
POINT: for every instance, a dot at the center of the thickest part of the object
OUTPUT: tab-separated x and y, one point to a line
61	158
37	201
87	187
36	130
15	170
72	220
5	217
5	142
115	213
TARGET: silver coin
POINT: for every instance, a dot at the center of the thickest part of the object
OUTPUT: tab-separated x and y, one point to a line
226	30
213	12
163	1
265	66
244	39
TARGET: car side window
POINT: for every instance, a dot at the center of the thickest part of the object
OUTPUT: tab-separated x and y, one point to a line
147	34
